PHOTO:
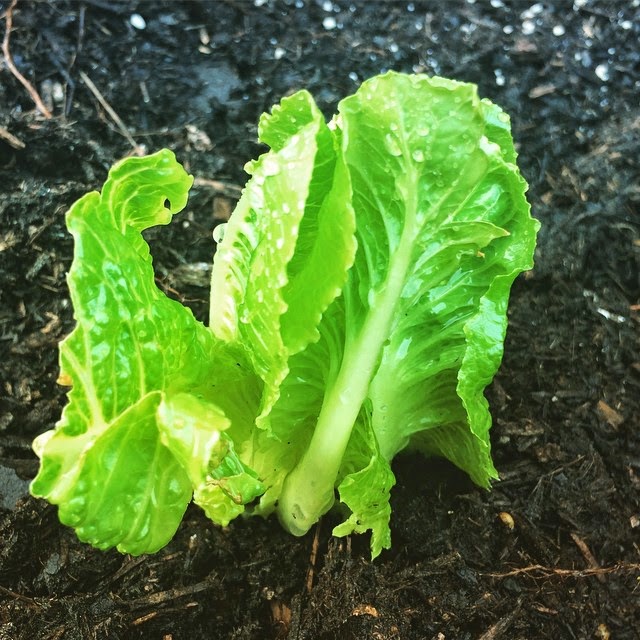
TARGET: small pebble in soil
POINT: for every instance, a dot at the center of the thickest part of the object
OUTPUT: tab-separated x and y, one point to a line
532	11
329	23
507	520
12	488
558	30
57	92
137	21
602	71
528	27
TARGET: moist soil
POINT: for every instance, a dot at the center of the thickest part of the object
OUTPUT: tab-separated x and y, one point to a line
553	550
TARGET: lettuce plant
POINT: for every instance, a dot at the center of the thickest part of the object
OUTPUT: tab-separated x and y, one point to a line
358	308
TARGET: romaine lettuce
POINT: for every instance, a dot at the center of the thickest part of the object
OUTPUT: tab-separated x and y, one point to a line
358	307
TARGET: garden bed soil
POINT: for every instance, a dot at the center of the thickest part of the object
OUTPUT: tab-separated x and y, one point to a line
553	550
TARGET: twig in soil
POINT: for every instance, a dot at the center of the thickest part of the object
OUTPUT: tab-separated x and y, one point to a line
169	595
570	573
109	109
496	630
18	596
80	38
313	558
6	51
16	143
146	617
588	556
127	565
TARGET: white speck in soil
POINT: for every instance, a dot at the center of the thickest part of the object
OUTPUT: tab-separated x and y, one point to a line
532	11
602	71
329	23
558	30
137	21
528	27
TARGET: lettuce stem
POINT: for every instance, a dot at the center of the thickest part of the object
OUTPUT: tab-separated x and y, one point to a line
308	490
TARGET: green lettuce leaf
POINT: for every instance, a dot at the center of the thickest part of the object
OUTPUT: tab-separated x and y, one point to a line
271	279
106	464
443	228
365	483
192	429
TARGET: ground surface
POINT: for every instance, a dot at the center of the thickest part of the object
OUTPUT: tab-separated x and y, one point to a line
566	402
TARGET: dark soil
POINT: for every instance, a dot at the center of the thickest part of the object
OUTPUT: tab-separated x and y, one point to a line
554	550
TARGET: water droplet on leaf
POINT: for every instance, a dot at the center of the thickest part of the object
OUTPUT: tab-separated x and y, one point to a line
218	233
271	166
391	143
